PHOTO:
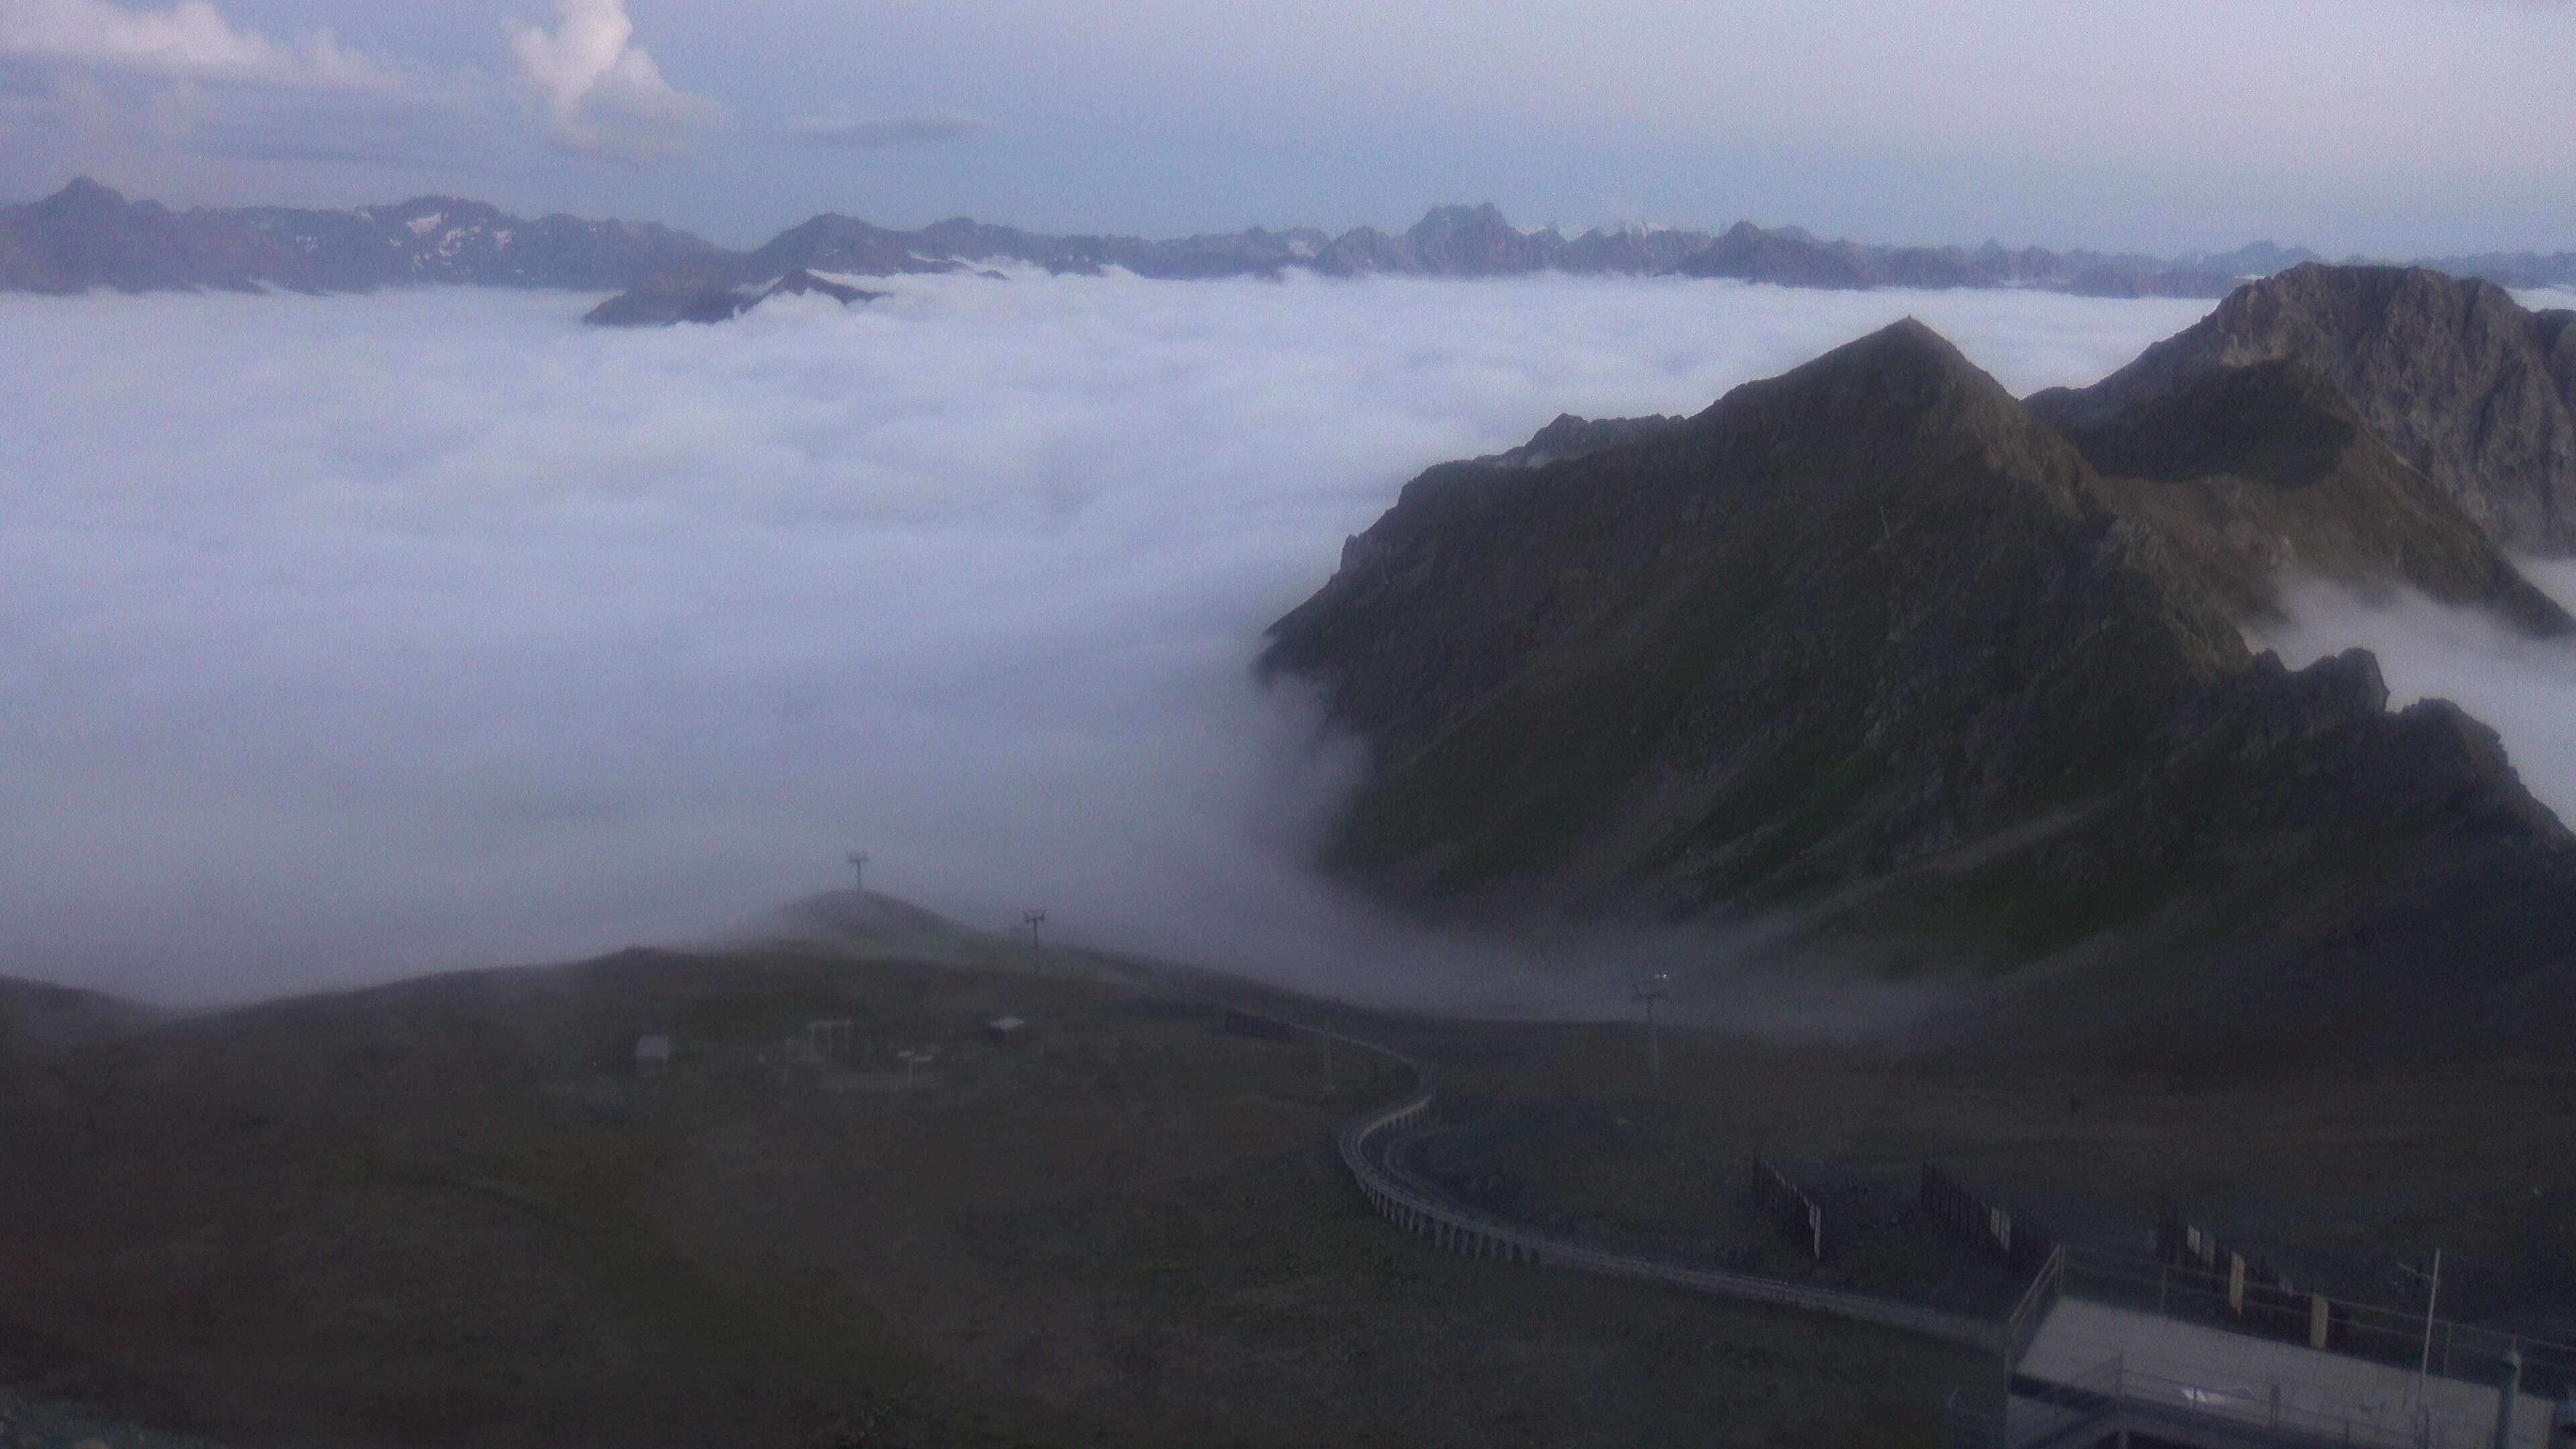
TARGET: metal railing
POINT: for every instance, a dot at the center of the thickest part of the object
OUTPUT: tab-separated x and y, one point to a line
2115	1394
2032	1310
1404	1198
2042	1416
2438	1348
2060	1413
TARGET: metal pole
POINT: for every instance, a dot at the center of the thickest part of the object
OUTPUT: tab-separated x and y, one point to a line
859	872
2510	1397
1654	1047
1651	990
2432	1296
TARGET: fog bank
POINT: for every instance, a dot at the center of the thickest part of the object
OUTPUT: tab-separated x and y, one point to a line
2523	688
356	636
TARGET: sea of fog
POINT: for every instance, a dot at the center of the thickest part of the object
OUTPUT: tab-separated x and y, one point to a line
348	637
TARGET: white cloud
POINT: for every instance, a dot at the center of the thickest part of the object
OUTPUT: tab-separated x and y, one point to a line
141	94
348	636
603	94
190	41
2523	688
840	128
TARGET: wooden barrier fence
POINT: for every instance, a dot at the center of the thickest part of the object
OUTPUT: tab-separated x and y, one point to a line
2021	1244
1797	1213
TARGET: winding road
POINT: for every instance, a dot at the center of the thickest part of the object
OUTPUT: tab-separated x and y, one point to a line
1372	1149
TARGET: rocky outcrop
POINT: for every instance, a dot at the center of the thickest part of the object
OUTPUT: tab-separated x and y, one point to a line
2453	376
711	297
1573	437
1874	645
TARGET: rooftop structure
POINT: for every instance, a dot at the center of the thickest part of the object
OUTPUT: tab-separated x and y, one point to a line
2113	1350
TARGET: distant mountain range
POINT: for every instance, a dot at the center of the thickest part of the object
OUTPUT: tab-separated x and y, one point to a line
86	236
1878	655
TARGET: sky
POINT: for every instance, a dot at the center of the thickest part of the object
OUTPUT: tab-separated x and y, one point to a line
354	636
2384	127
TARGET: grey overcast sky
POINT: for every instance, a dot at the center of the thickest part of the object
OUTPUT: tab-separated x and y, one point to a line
2392	127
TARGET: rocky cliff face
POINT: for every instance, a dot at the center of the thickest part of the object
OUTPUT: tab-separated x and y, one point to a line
2454	376
1875	645
2255	473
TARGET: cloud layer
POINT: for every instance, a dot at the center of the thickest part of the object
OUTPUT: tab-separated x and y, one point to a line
189	41
360	635
2524	688
604	96
107	86
839	128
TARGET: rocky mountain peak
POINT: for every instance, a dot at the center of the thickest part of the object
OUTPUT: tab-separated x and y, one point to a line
2456	377
83	195
1442	220
1875	649
1904	381
1904	354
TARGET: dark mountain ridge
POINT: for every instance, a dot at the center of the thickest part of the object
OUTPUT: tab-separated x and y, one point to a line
695	296
2457	378
1874	648
87	236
